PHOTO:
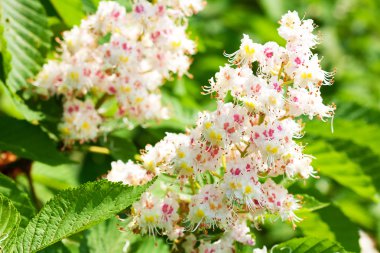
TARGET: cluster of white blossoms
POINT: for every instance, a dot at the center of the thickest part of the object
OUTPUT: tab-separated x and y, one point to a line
119	55
246	145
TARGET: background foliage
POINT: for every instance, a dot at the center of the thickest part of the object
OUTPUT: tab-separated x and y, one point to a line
348	160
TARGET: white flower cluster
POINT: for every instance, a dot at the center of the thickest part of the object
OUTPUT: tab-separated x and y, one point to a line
244	145
121	55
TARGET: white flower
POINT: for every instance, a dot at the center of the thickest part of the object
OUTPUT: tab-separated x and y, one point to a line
152	214
128	173
279	201
208	208
221	246
241	183
248	52
240	232
304	102
126	55
81	121
224	165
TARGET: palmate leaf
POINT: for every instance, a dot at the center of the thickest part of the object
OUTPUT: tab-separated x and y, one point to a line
313	225
346	232
363	156
25	40
74	210
338	166
309	245
354	111
358	131
29	141
9	220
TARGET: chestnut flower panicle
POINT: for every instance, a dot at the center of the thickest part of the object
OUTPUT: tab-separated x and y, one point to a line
245	144
123	57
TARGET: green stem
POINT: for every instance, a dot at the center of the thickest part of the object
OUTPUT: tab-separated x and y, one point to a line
287	82
280	71
261	118
216	174
245	153
101	100
192	185
31	187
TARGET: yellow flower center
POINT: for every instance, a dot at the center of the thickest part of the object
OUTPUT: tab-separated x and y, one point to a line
200	213
85	125
271	149
306	75
74	76
249	50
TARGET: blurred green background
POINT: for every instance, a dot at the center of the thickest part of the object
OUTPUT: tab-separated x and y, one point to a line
348	160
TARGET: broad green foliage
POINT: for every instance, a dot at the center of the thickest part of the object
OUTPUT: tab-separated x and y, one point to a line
313	225
310	204
74	210
149	245
25	40
357	131
10	219
7	103
70	10
29	141
339	167
309	245
104	238
19	199
346	232
12	105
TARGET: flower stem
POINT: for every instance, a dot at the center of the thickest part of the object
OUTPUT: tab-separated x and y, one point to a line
261	118
192	185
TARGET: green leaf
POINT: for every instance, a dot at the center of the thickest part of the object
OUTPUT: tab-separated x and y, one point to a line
69	10
7	105
355	208
149	245
354	111
368	160
120	147
313	225
20	199
309	203
309	245
75	210
49	180
346	232
47	175
29	141
25	39
56	248
89	6
338	166
10	219
360	132
104	238
12	105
